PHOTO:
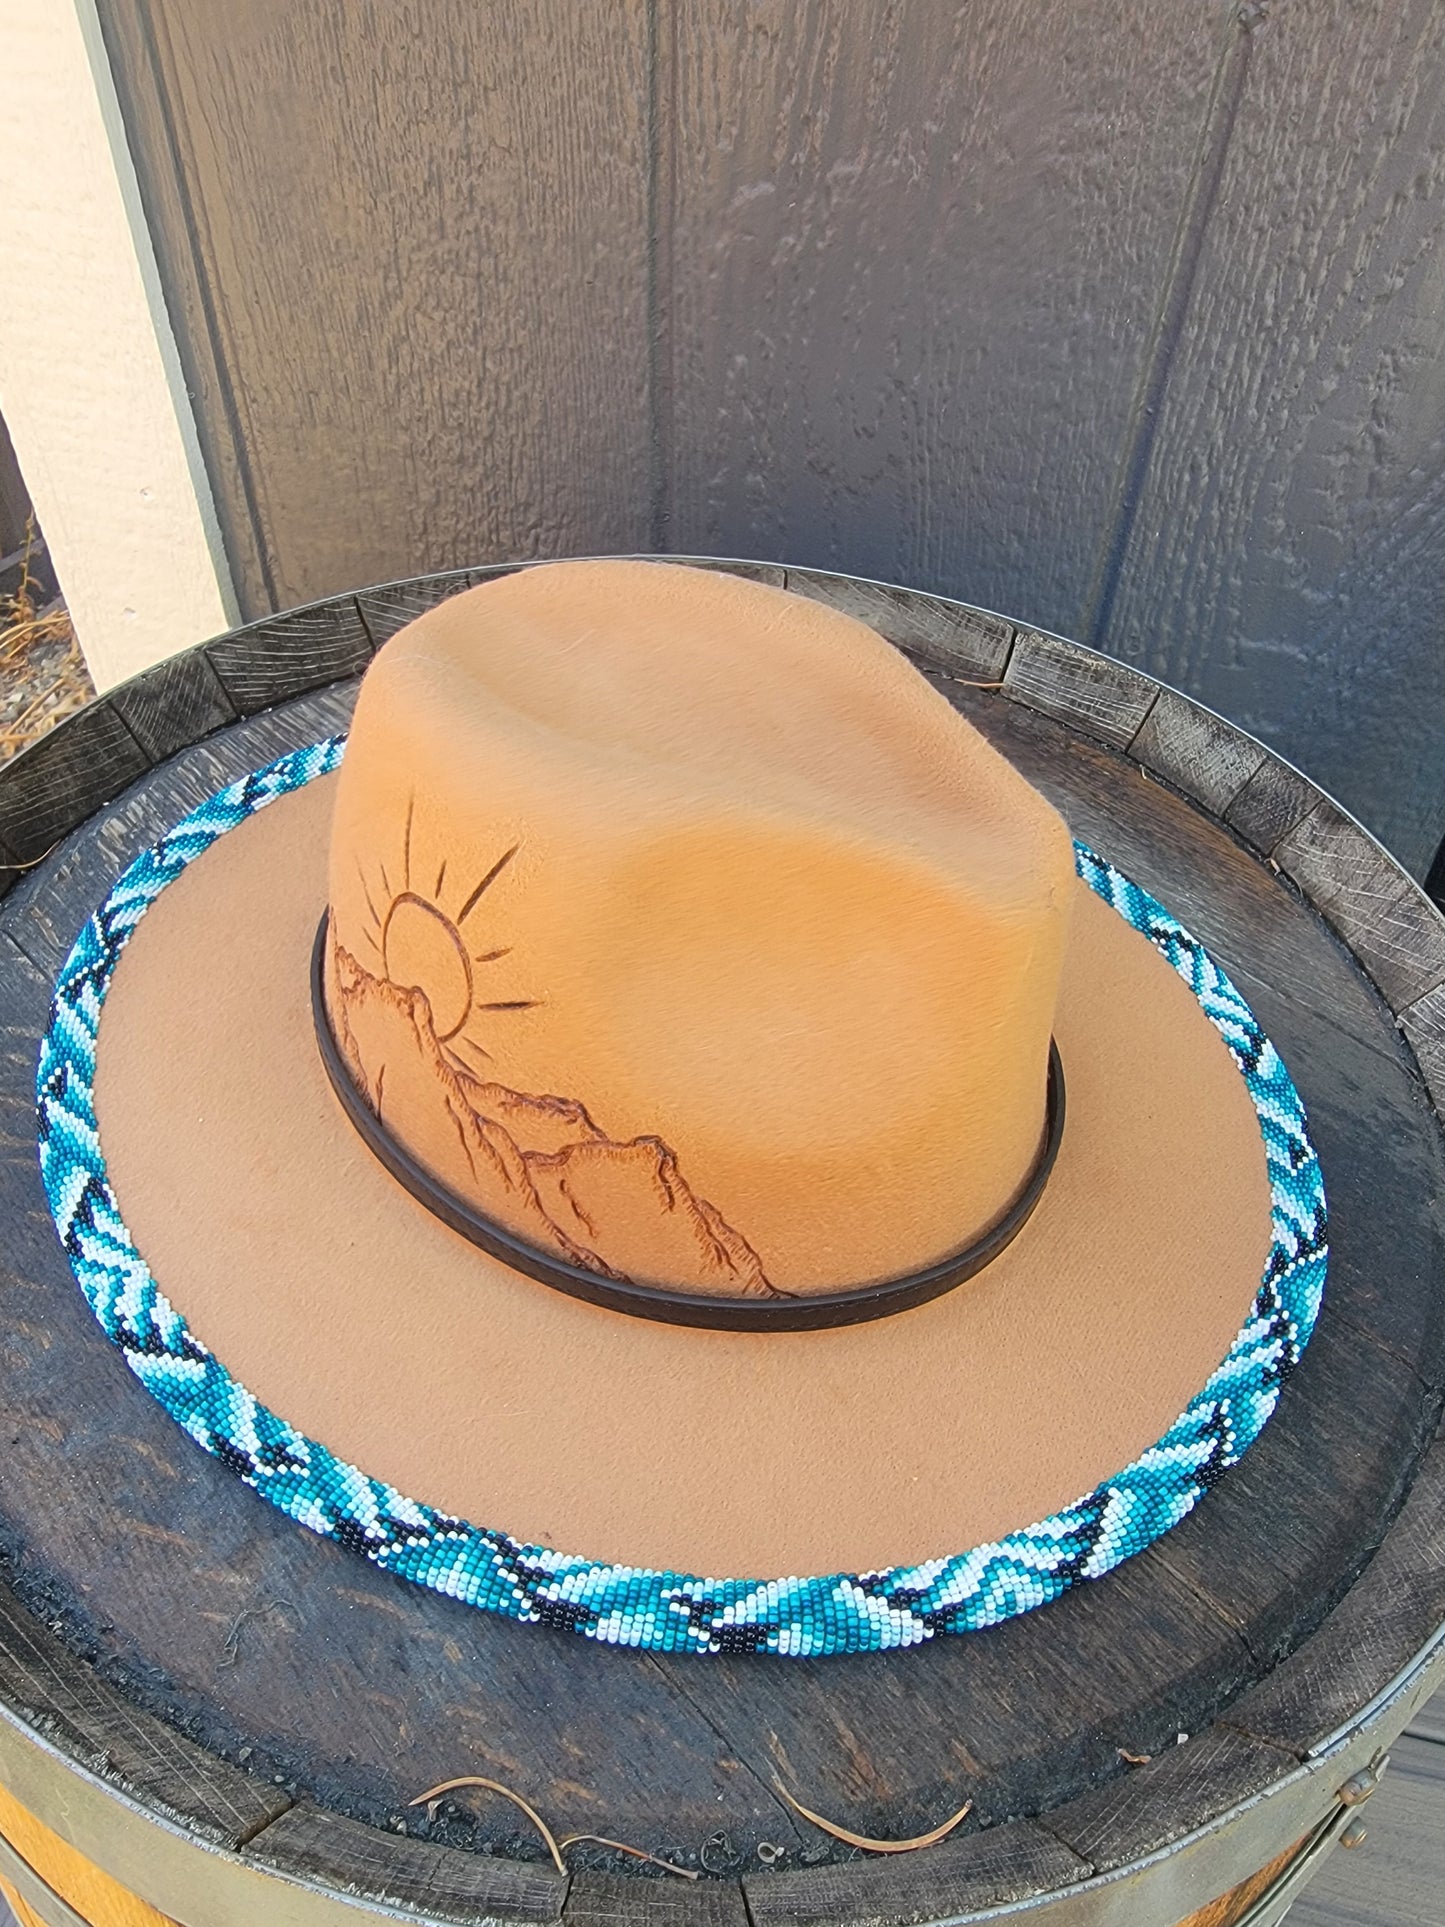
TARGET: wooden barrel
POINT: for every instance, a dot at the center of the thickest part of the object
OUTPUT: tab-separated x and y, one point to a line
228	1717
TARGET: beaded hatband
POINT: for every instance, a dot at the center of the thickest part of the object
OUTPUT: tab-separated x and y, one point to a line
625	1605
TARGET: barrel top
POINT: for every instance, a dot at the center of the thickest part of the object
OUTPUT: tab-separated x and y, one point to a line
266	1690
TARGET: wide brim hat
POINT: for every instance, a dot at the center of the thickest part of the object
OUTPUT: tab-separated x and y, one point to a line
384	1380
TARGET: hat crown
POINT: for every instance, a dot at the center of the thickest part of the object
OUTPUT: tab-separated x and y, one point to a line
678	925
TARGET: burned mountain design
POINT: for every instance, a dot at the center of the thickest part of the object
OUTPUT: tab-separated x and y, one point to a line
540	1165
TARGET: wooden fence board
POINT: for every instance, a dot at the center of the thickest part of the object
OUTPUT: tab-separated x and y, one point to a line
407	254
1287	558
917	253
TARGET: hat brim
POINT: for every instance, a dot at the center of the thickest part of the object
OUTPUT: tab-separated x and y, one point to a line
311	1324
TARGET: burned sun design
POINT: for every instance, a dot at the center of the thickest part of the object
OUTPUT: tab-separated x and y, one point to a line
406	1021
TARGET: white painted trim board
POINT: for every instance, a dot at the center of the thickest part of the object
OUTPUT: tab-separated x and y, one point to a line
91	387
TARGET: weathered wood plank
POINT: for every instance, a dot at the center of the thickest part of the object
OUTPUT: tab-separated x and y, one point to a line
607	1900
394	1870
1105	699
1287	1528
910	278
1284	565
1144	1808
81	765
1382	1621
1195	750
285	656
1387	920
174	704
1423	1023
948	636
983	1869
391	605
771	573
61	1697
1397	1876
446	361
1272	802
43	910
1014	1718
11	870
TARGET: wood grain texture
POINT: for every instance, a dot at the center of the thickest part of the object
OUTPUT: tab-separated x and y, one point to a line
949	636
75	769
286	655
1288	551
985	1870
1423	1023
389	1868
360	1691
60	1696
1231	1908
1384	916
1338	1464
174	704
769	572
89	859
391	605
1272	802
1195	750
1105	699
603	1900
910	299
1153	1805
408	261
1073	309
1006	1718
11	870
1389	1613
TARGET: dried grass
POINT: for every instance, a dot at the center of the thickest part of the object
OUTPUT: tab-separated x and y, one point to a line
43	676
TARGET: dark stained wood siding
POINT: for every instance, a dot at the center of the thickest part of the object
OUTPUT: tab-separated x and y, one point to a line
916	251
407	247
1125	319
14	501
1287	559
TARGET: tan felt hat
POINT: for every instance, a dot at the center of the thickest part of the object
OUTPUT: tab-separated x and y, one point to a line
676	1109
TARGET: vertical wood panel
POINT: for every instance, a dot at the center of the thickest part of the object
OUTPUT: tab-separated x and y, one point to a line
1126	320
14	499
408	239
1287	562
918	250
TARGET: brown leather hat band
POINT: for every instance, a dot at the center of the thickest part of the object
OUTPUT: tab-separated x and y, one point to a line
818	1311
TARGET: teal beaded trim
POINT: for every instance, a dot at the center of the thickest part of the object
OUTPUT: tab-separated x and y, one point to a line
625	1605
